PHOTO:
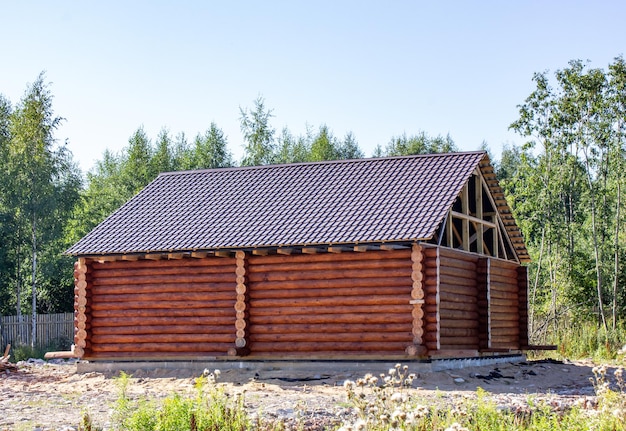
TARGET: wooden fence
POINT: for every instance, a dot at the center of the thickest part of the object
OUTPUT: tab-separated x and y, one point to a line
53	330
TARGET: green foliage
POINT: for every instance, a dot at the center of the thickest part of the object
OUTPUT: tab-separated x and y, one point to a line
209	409
565	187
419	144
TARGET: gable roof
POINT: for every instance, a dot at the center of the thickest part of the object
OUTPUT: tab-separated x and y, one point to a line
396	199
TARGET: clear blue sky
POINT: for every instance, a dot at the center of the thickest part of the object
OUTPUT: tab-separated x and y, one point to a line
377	69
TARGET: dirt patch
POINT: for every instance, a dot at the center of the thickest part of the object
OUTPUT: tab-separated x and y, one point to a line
48	396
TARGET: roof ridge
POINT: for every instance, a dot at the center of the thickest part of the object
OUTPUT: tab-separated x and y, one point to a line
322	162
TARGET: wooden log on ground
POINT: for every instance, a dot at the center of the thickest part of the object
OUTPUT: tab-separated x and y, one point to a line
59	355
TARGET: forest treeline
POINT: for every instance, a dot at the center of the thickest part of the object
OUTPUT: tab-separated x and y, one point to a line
565	186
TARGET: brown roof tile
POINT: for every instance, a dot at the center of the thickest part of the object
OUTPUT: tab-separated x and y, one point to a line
348	201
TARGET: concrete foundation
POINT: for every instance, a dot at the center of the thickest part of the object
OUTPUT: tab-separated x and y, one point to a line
285	369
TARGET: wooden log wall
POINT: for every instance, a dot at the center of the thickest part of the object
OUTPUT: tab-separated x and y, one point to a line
81	302
324	305
163	308
522	283
504	304
483	266
430	265
458	300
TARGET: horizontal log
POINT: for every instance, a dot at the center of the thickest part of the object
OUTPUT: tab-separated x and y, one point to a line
504	295
332	309
331	257
163	338
506	303
503	287
458	290
159	305
458	306
459	341
163	348
335	292
429	251
445	314
509	340
165	322
345	301
381	281
166	297
457	264
162	288
511	282
432	347
501	315
504	332
155	264
455	283
453	272
513	323
326	275
333	265
466	324
320	347
209	271
504	273
457	255
331	328
458	332
174	328
163	312
340	318
504	266
166	279
446	296
324	337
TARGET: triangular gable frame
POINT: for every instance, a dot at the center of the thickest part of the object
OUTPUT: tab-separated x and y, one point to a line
501	245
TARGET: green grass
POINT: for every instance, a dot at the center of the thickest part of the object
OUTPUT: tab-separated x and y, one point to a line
384	404
587	340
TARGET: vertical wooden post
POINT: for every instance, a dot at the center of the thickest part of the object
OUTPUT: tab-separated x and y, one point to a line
484	319
417	299
479	214
80	307
450	231
242	323
522	283
465	221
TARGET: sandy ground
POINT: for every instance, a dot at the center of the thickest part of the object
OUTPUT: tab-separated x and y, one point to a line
54	397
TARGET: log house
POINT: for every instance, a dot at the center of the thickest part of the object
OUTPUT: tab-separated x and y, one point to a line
390	258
